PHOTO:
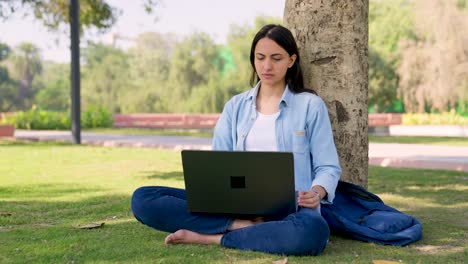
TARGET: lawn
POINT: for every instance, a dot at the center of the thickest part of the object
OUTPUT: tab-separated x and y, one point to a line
47	190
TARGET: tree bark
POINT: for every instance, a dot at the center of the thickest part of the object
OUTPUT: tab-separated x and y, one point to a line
332	36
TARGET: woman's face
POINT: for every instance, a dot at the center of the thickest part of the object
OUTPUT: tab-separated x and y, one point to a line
272	62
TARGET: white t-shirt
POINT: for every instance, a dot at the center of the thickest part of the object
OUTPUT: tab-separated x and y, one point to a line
262	135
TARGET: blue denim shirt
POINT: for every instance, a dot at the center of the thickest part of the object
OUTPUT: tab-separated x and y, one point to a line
302	127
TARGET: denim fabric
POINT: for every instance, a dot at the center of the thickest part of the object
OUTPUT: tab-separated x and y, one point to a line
165	209
362	215
302	127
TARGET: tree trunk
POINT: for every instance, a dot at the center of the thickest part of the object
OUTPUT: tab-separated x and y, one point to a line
332	36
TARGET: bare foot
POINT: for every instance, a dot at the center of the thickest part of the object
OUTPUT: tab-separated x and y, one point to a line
241	223
183	236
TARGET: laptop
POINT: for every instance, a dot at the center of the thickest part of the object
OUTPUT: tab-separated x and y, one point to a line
239	183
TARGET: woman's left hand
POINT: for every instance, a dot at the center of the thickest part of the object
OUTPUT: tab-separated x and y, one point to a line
311	199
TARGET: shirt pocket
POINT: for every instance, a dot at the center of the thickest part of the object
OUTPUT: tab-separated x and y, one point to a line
300	142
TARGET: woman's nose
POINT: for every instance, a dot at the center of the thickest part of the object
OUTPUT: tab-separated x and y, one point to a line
268	64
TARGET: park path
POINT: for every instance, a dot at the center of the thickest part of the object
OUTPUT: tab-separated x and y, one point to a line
380	154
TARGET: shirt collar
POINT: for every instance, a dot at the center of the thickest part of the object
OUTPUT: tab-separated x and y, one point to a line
286	98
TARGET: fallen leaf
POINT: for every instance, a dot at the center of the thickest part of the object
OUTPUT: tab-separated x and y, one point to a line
281	261
385	262
91	226
5	214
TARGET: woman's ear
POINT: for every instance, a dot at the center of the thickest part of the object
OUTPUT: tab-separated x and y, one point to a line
293	59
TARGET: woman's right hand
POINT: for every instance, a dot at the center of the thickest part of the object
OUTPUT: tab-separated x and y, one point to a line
311	199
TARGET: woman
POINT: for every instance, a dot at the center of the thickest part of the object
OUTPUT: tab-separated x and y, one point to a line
278	114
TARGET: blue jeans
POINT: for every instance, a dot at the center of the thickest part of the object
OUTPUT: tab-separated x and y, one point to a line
163	208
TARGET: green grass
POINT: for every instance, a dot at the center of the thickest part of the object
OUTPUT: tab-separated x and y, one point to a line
49	189
447	141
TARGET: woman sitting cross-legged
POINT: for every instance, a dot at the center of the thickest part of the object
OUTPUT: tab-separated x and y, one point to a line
277	114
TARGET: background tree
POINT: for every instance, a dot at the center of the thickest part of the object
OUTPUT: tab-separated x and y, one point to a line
8	86
383	82
193	62
54	94
434	68
332	37
53	13
389	22
105	77
208	97
149	65
25	64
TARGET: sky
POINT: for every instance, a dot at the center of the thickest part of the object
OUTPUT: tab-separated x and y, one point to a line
179	16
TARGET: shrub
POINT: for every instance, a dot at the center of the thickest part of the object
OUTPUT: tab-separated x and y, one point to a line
96	117
39	119
36	118
446	118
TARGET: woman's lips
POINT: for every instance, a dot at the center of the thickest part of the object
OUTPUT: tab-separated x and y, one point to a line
267	75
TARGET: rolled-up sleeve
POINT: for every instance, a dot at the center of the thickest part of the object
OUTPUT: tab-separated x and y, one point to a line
325	161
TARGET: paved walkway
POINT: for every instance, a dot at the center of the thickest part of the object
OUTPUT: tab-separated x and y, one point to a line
113	140
386	155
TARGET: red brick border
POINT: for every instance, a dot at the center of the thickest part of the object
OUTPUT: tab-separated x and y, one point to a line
7	131
175	121
208	121
384	120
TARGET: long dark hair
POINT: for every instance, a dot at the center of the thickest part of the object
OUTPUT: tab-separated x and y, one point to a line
283	37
